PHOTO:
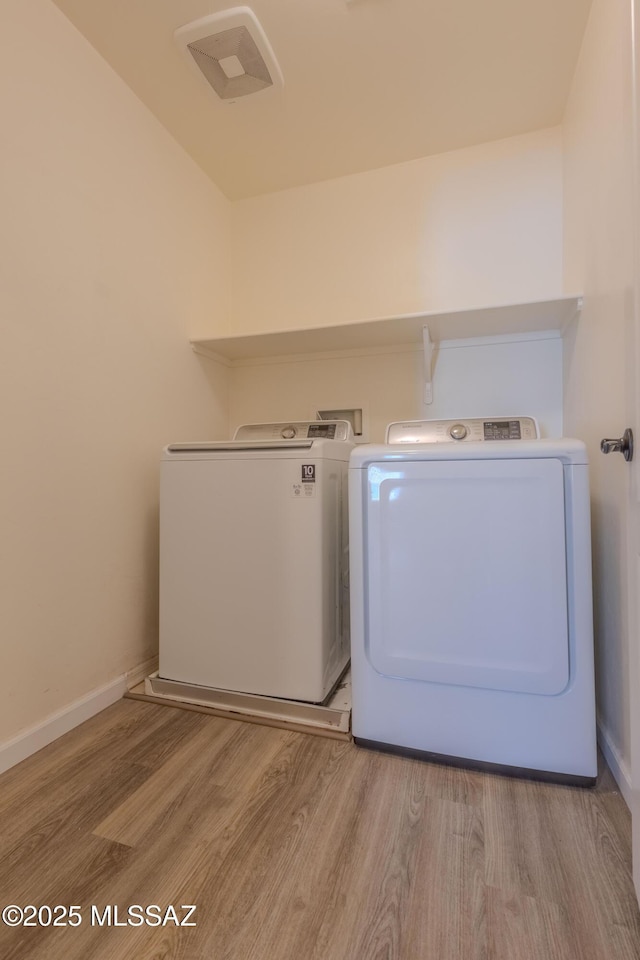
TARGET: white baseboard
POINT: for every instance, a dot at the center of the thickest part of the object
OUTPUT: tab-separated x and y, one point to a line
36	737
617	765
141	672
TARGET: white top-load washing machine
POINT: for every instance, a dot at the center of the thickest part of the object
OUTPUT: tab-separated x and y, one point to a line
254	560
471	611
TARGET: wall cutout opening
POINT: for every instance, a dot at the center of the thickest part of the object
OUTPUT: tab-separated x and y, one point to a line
352	414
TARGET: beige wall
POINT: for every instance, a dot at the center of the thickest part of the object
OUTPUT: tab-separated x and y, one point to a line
468	228
598	260
496	378
473	227
112	246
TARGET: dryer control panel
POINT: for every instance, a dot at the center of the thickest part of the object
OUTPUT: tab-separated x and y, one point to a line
458	431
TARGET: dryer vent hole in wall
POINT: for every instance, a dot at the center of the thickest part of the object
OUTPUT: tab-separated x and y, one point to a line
352	415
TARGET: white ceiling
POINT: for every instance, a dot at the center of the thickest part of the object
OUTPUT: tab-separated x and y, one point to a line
367	83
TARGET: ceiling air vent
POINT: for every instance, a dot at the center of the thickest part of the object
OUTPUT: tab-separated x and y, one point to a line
231	52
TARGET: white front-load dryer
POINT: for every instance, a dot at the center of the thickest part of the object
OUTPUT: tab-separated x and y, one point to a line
254	560
471	617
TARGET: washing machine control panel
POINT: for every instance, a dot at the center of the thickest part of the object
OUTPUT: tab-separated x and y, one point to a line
457	431
296	430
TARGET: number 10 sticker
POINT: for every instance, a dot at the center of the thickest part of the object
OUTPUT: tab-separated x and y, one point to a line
307	486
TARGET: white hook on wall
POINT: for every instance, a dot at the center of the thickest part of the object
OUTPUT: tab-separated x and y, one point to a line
428	365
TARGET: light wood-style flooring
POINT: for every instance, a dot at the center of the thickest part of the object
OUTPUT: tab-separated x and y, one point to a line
296	847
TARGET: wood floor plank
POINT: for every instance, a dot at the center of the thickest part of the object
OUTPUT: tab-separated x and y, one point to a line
163	789
518	834
291	903
297	846
187	844
520	926
58	772
67	885
448	917
114	725
597	890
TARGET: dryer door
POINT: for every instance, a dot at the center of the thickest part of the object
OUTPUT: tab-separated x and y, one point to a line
466	573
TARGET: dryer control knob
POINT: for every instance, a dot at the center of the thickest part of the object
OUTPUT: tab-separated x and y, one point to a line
288	433
458	431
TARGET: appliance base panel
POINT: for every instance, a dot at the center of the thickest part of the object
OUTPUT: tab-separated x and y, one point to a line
524	773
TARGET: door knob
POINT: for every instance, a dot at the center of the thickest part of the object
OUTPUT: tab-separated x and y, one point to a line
623	445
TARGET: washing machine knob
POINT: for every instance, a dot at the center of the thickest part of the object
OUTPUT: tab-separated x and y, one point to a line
458	431
288	433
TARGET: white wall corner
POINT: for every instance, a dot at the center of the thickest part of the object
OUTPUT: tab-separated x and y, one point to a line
616	762
57	724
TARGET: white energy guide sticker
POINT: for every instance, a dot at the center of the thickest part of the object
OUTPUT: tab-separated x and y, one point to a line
306	487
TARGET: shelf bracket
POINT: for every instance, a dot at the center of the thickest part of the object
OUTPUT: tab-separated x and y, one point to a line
428	365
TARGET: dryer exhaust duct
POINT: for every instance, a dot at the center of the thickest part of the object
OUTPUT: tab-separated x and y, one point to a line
231	52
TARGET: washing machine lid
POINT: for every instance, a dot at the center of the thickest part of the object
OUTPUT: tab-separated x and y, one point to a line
330	438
